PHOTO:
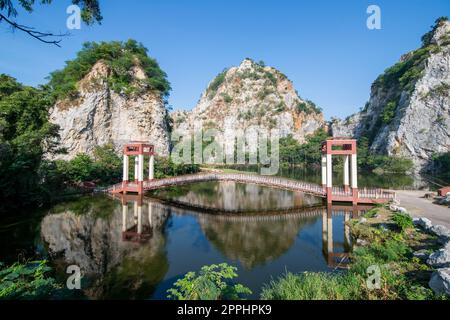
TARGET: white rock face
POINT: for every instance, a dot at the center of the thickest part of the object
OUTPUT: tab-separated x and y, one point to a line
440	281
440	258
420	126
100	116
251	95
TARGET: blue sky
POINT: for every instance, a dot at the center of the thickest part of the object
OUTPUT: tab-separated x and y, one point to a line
324	47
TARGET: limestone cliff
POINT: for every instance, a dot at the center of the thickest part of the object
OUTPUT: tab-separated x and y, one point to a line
99	115
408	112
252	94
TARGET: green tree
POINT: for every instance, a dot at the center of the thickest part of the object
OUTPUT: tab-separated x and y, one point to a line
108	162
441	166
121	58
26	137
426	38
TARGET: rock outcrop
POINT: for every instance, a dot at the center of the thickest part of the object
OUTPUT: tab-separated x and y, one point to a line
100	115
408	113
252	94
440	281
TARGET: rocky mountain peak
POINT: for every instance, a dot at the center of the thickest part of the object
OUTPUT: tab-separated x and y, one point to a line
408	112
253	94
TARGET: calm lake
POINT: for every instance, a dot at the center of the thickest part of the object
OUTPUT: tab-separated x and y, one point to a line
136	248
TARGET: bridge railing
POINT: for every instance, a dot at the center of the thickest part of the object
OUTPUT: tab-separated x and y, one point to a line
245	178
273	181
376	194
340	191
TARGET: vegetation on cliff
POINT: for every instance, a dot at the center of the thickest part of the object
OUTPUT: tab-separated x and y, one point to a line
121	58
402	77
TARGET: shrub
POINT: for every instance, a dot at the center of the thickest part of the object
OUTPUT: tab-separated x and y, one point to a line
28	281
216	83
211	283
388	112
404	221
227	98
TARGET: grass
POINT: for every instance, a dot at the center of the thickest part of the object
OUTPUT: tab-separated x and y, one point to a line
312	286
401	276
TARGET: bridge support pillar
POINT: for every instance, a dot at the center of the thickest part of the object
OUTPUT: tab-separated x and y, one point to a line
347	237
151	168
139	221
136	168
354	173
329	178
346	173
140	174
124	216
324	172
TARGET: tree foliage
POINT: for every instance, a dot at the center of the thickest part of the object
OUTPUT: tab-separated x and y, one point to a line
441	166
90	9
26	137
426	38
27	281
90	13
121	58
309	153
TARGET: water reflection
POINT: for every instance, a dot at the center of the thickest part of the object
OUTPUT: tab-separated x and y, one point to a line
234	197
98	244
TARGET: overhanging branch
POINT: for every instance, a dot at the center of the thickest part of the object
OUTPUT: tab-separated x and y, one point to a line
41	36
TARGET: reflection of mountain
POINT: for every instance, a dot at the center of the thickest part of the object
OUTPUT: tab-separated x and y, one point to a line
92	239
236	196
253	241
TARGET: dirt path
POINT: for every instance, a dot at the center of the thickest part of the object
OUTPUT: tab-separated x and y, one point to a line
421	207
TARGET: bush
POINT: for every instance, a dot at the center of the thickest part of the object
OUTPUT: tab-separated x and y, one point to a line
404	221
389	112
211	283
28	281
216	83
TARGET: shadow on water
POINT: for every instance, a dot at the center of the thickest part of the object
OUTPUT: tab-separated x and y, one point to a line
135	247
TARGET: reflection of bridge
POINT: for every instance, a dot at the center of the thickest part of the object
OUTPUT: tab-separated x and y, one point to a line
140	229
341	147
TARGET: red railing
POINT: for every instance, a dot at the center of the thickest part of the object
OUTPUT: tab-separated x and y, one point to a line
278	182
